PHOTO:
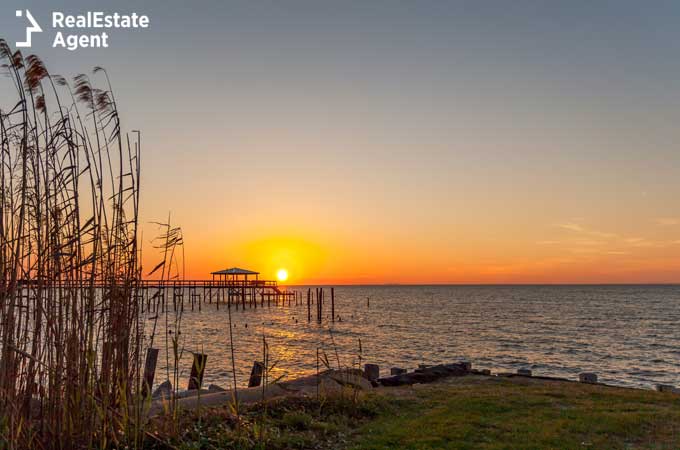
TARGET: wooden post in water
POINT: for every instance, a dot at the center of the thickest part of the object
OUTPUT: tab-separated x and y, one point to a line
149	370
197	371
309	306
174	298
256	374
333	304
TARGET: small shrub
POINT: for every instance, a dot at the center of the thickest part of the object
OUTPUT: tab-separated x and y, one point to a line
296	420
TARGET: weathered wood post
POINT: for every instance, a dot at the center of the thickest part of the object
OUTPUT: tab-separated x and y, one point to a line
149	370
256	374
197	371
318	305
107	358
333	304
309	305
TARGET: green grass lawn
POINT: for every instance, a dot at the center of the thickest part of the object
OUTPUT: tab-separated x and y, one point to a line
471	412
499	413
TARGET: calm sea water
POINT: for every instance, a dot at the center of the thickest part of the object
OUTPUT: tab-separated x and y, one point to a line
628	335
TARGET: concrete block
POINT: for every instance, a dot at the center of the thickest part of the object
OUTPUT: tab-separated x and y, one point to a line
397	371
587	377
666	388
372	371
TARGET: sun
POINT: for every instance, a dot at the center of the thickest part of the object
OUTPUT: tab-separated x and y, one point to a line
282	274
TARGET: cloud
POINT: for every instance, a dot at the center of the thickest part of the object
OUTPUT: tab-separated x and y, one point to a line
584	239
668	221
576	228
572	227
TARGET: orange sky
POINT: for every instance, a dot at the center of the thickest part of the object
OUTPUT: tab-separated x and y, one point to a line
573	253
404	142
377	142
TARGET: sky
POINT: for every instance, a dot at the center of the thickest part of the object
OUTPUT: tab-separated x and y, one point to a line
401	142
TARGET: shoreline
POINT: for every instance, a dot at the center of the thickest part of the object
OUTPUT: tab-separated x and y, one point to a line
330	381
470	410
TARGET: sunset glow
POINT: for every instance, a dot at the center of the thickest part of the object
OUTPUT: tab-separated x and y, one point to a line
282	275
519	166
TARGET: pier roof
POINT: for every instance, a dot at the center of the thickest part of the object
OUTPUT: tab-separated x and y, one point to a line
235	271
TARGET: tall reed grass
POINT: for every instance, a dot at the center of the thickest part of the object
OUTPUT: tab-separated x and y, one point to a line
71	341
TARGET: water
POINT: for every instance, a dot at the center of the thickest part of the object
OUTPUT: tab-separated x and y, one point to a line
628	335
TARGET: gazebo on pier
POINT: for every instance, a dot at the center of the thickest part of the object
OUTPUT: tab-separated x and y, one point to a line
245	285
235	286
236	275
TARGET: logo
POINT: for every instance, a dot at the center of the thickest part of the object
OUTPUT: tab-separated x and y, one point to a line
83	30
34	28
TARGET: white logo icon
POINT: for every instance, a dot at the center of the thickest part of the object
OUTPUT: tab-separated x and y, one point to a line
34	28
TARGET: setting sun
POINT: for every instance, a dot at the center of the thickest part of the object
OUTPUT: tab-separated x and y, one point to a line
282	274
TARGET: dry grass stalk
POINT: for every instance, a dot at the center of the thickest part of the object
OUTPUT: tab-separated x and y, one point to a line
70	335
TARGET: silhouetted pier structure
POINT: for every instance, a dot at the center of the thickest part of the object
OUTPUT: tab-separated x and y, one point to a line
236	287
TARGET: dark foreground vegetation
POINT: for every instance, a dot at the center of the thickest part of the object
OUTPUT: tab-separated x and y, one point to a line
468	412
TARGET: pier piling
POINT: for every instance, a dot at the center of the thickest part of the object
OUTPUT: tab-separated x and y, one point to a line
256	374
333	304
149	370
197	371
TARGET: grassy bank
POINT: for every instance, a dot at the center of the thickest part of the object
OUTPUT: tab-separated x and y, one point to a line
468	412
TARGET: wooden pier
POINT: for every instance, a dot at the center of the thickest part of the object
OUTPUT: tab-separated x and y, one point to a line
235	287
238	288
